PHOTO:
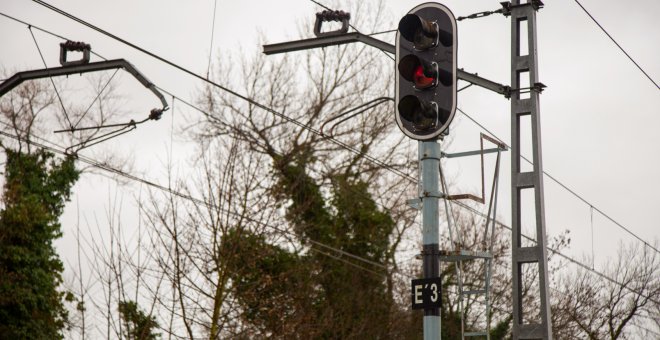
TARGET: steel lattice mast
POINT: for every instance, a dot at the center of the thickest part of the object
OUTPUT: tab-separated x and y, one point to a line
528	321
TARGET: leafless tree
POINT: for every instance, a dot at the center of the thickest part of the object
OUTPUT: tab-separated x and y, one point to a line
596	307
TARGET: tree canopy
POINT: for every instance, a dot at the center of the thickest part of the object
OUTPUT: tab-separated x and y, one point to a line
34	194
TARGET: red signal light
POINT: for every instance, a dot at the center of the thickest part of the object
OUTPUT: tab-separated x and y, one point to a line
421	73
421	80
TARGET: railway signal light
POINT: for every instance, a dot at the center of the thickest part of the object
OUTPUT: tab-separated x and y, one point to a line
426	79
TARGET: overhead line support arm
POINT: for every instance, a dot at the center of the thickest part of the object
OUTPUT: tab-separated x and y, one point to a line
346	38
20	77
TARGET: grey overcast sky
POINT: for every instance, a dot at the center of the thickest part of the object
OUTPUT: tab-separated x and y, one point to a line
600	114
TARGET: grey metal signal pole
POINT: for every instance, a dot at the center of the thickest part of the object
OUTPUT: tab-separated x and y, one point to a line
527	324
429	157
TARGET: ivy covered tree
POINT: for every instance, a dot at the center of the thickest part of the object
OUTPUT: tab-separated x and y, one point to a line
286	294
35	191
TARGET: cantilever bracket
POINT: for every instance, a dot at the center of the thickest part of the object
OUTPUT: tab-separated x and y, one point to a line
20	77
340	39
83	66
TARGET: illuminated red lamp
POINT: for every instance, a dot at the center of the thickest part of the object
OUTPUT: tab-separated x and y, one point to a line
421	73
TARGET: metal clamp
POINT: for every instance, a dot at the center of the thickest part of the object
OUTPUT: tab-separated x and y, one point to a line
430	252
507	92
326	16
436	194
507	6
416	203
537	4
537	87
155	114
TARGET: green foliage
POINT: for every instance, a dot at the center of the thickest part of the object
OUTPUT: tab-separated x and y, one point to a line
34	194
312	294
268	281
307	211
502	330
138	325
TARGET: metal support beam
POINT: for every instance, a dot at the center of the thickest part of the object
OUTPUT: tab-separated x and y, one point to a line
470	153
340	39
20	77
485	83
527	323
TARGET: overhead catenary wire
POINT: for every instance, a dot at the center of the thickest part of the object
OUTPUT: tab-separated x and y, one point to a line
382	32
288	119
617	44
32	26
249	100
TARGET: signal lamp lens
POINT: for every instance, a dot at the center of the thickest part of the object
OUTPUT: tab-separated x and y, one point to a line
421	114
418	71
422	33
421	81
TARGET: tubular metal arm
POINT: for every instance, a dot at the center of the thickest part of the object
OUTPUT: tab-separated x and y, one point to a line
20	77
